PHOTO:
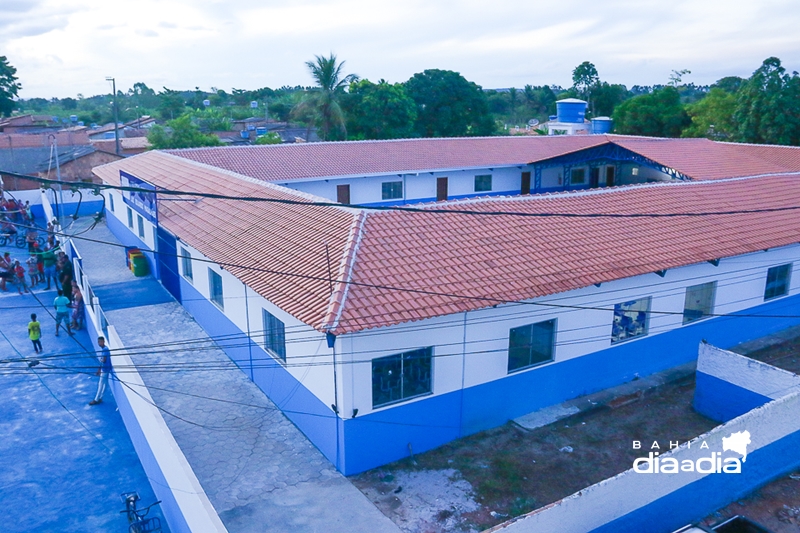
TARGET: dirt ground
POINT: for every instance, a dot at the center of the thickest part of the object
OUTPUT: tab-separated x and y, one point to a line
509	471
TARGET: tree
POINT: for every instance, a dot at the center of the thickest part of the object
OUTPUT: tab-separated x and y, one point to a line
730	84
170	104
9	87
712	116
448	105
379	111
658	114
269	138
768	106
584	78
180	133
605	97
324	98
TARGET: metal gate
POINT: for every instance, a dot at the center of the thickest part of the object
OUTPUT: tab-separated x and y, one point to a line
168	263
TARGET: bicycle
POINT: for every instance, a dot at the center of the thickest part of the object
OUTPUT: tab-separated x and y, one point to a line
22	242
137	518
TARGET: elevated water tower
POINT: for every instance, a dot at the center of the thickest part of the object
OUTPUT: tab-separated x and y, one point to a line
570	118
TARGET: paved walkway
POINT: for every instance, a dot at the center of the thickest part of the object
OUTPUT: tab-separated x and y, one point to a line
63	464
259	471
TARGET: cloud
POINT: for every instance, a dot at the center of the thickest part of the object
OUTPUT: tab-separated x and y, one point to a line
147	33
168	25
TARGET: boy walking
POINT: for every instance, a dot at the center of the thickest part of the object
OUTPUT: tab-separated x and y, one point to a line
35	333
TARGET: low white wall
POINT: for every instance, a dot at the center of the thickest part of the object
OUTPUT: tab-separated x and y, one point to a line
746	373
616	497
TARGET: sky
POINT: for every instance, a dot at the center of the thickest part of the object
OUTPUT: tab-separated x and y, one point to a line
68	47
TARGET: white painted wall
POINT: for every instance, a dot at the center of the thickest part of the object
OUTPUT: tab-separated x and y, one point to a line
620	495
484	338
747	373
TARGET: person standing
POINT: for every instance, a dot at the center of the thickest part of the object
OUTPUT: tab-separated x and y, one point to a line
49	261
35	333
103	371
61	304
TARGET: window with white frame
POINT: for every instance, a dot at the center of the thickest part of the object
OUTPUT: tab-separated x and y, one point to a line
130	217
140	224
778	281
531	345
483	183
401	376
274	335
111	201
215	289
186	264
630	319
699	302
392	190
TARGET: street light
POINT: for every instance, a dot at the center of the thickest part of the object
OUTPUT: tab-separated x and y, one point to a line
116	120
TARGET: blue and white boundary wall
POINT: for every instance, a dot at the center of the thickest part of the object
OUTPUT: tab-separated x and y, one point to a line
472	389
67	201
729	385
184	503
661	502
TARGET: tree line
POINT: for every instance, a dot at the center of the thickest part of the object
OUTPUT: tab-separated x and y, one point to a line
764	108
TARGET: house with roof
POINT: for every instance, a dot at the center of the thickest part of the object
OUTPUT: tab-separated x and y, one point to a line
74	163
519	272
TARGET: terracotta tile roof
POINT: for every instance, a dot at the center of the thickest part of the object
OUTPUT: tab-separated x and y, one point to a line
508	258
359	158
480	259
267	239
702	159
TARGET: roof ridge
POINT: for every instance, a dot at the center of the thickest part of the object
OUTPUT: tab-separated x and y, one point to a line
339	294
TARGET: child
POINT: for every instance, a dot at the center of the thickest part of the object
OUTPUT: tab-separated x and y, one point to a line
33	270
19	277
35	333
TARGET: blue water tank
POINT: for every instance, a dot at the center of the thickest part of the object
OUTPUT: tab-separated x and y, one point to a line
261	131
602	125
571	110
244	134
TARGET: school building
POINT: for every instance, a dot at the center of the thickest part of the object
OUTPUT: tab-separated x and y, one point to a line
528	271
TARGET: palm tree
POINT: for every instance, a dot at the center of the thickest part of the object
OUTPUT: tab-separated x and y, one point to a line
327	73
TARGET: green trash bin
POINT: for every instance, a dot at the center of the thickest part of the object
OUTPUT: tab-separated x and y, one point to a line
140	267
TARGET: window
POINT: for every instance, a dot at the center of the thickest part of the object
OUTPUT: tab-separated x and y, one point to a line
777	281
130	217
215	288
699	301
402	376
111	201
577	176
531	345
186	264
391	190
630	320
483	183
274	335
140	224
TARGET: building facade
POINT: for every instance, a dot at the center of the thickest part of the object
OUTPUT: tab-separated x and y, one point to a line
382	333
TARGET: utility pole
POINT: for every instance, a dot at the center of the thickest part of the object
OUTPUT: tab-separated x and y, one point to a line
116	118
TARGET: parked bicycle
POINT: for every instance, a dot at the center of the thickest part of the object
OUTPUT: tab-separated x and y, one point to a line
137	518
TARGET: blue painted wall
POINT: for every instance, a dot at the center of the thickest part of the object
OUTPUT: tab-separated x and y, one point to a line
722	401
706	495
304	409
382	437
69	209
